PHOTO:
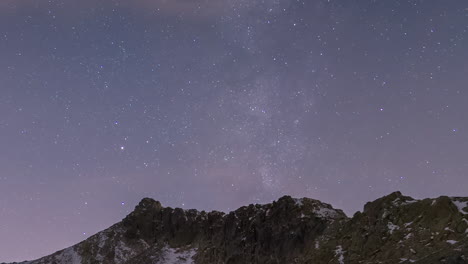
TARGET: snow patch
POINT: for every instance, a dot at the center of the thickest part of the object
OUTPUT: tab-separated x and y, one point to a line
299	202
339	253
326	213
177	256
397	202
408	236
448	229
460	205
451	242
68	256
392	227
102	239
122	253
385	213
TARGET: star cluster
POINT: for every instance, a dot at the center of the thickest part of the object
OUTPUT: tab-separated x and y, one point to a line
217	105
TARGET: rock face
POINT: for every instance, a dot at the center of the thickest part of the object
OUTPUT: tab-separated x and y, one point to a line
392	229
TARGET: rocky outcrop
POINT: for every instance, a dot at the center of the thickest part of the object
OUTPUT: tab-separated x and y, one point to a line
400	229
392	229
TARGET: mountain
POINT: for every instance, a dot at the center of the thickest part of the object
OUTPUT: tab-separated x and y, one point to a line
392	229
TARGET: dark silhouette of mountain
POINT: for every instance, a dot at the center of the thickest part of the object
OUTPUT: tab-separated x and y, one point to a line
392	229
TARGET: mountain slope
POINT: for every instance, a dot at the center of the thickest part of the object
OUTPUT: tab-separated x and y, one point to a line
392	229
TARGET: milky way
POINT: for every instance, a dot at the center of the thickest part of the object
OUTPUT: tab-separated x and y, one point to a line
217	104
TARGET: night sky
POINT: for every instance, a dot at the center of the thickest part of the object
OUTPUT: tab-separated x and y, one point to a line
217	104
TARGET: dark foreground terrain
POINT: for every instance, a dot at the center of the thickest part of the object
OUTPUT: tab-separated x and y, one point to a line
392	229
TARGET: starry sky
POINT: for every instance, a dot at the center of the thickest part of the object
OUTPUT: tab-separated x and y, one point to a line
217	104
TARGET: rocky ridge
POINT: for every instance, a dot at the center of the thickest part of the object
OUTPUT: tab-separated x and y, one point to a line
392	229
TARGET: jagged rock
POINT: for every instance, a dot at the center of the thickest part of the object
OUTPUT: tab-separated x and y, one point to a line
392	229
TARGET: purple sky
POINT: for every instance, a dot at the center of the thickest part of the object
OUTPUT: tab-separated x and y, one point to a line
217	105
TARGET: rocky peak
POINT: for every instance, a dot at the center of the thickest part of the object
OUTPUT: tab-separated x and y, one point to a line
320	209
148	204
387	202
391	229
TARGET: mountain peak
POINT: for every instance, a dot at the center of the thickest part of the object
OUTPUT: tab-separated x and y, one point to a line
391	200
391	229
148	204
